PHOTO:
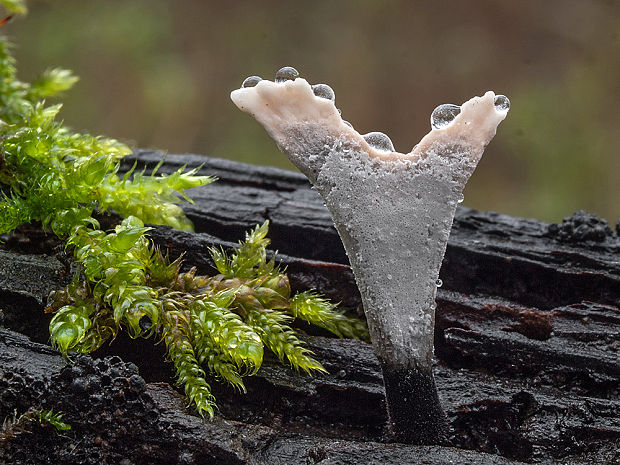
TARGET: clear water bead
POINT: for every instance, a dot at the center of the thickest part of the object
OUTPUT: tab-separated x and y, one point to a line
439	283
460	198
324	91
288	73
251	81
379	141
443	115
501	103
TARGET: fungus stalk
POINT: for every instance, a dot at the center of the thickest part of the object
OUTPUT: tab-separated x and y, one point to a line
393	212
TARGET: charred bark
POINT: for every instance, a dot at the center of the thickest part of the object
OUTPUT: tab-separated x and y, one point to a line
527	339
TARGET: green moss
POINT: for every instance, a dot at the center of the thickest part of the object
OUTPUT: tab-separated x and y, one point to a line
14	6
12	427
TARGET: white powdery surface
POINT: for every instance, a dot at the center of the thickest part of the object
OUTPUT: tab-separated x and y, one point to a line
393	211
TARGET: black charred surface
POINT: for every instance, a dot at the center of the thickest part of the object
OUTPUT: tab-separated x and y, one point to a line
582	227
527	341
116	416
490	253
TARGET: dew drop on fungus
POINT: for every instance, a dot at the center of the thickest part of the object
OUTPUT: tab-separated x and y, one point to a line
439	282
460	198
251	81
324	91
501	103
443	115
288	73
379	141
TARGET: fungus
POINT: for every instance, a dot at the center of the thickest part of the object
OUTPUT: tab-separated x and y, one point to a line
393	212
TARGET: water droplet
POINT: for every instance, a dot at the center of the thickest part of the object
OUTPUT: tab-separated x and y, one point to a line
501	103
460	198
324	91
251	81
379	141
443	115
288	73
439	282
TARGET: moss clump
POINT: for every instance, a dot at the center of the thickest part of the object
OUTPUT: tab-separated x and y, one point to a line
221	323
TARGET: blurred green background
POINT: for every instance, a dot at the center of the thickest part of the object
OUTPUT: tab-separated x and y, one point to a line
157	74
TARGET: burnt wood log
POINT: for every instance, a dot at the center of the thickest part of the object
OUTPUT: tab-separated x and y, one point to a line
523	260
527	341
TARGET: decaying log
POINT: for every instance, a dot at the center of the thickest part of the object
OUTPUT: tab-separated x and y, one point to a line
527	342
116	416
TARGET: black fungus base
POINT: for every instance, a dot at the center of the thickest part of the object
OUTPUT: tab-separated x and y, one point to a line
415	415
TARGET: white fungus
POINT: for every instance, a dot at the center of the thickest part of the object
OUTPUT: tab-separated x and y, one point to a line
393	211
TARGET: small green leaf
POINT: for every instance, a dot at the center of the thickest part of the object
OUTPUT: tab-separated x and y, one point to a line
54	419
